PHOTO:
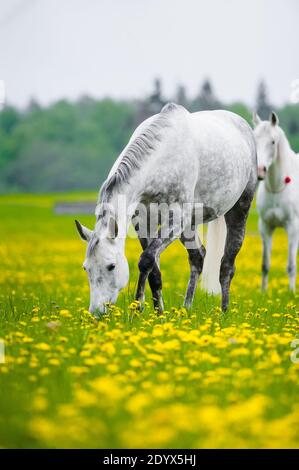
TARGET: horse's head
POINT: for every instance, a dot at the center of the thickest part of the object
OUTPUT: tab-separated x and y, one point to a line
267	135
105	263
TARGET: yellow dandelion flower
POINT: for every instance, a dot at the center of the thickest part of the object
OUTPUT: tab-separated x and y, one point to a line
43	346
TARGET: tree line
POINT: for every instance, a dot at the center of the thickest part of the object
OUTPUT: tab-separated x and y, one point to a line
72	145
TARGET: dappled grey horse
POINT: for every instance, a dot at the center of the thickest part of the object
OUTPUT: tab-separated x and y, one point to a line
203	166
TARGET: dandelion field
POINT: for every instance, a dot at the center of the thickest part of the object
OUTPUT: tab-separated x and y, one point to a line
135	379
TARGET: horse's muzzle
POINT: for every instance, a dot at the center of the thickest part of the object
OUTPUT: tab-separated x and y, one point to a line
261	172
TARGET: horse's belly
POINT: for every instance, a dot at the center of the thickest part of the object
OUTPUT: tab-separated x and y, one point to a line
272	212
275	209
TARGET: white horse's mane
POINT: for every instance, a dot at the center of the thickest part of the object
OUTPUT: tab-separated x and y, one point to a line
284	144
139	149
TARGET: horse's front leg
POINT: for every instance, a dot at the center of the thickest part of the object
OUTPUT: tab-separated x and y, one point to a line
155	282
196	254
154	277
167	234
148	268
293	240
266	234
171	228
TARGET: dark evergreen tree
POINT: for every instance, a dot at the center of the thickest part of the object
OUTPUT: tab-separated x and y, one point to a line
181	96
263	106
206	98
151	104
156	101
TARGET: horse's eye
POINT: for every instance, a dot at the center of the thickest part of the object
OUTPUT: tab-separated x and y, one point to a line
110	267
84	268
273	142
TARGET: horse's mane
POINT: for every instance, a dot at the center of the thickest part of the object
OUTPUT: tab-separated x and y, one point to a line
139	149
284	144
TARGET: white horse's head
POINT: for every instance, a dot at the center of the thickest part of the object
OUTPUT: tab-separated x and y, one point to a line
105	264
267	134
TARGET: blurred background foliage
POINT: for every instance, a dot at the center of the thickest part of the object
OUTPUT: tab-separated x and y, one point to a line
72	145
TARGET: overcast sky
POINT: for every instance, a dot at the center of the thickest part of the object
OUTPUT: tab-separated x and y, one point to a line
51	49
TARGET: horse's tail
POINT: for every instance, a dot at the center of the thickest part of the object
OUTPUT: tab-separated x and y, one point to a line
214	251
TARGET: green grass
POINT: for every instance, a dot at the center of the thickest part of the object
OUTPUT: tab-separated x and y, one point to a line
183	379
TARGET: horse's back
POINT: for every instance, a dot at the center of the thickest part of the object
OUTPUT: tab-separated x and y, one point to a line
224	125
227	158
206	156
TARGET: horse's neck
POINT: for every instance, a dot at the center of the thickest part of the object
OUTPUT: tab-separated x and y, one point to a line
281	166
121	206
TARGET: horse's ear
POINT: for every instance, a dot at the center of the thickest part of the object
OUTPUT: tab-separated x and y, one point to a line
112	228
256	119
274	119
84	232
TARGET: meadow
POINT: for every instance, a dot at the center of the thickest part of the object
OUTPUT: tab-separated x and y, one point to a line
192	379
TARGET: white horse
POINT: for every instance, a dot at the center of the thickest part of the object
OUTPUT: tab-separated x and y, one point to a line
204	164
278	192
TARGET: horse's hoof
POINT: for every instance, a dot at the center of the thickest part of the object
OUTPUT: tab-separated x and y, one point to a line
158	306
159	310
139	305
224	309
187	306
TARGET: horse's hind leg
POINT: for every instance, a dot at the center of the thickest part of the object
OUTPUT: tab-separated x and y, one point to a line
235	220
293	239
196	254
